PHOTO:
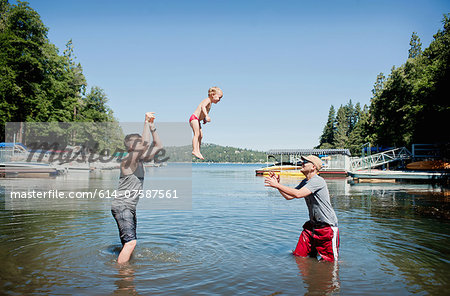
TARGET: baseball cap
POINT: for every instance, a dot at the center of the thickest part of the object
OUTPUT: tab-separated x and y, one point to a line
314	159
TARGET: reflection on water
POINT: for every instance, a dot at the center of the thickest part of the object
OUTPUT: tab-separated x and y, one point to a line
320	278
236	240
410	244
125	280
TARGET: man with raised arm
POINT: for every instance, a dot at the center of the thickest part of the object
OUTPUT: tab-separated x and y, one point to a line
320	235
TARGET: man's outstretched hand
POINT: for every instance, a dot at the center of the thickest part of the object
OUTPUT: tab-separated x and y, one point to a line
272	180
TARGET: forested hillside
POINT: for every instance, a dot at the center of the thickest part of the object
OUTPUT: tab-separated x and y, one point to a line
411	105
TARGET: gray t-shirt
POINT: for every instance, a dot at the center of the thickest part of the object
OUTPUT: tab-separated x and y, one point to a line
130	188
318	202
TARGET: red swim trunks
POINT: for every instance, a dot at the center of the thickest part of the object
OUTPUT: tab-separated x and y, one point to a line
193	117
318	240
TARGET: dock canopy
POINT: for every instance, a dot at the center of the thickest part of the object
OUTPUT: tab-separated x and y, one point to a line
318	152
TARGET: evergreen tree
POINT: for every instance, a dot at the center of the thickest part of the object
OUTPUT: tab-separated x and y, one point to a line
78	81
410	106
356	114
359	136
390	116
416	46
341	135
327	138
413	106
39	85
22	62
4	7
95	108
378	85
432	89
351	116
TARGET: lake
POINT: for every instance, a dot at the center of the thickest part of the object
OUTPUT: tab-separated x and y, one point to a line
236	237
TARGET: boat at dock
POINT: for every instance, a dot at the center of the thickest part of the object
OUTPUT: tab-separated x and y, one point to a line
394	176
285	173
295	171
428	165
28	170
277	168
335	162
16	161
329	173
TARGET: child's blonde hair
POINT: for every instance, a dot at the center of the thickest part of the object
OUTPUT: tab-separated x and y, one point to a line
214	90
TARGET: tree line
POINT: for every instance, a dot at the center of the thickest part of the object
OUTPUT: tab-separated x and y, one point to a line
215	153
37	83
411	105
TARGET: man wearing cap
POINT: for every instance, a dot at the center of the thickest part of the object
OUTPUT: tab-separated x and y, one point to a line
320	235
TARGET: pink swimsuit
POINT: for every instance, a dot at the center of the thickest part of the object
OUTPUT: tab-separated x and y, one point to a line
193	117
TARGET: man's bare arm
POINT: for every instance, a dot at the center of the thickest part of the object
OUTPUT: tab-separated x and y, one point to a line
286	196
286	192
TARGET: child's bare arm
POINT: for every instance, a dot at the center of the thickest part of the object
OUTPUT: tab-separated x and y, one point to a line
205	110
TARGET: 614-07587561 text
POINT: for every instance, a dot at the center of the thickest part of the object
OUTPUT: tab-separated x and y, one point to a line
152	193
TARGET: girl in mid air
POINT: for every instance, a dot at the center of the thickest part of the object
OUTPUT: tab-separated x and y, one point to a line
201	114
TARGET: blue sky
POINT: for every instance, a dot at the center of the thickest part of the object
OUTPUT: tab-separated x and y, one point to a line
281	64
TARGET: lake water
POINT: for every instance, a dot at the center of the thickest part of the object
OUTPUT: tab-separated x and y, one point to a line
236	239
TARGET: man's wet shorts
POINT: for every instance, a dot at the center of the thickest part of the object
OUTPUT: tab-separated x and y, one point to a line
126	222
314	240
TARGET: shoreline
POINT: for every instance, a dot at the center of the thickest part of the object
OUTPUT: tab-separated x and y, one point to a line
217	162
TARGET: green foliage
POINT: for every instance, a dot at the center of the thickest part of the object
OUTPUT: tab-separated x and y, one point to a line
410	106
379	85
389	114
215	153
347	129
22	62
416	46
94	107
358	136
39	85
413	106
342	128
327	137
432	90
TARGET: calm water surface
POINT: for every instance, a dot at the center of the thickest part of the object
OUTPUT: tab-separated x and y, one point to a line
237	239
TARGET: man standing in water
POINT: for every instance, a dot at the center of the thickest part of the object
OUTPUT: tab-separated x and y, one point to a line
123	207
320	235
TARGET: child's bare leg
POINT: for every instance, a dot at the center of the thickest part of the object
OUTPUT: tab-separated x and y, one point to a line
126	252
195	125
200	139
